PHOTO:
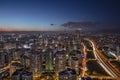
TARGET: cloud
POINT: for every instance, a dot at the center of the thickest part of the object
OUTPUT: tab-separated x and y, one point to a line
93	26
85	24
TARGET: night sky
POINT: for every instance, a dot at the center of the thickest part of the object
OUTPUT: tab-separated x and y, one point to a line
40	14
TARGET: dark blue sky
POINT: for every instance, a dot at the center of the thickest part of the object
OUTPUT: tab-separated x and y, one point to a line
39	14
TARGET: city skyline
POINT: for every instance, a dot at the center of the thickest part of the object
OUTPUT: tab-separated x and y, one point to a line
59	56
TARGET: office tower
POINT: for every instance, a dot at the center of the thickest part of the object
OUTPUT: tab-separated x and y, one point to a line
118	52
17	54
49	59
75	60
60	61
25	60
4	58
1	38
36	61
1	45
22	74
68	74
74	63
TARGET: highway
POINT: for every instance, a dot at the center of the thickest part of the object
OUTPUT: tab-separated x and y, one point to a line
8	66
107	66
84	60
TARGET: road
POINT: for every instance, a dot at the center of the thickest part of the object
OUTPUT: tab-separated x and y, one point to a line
84	61
8	66
107	66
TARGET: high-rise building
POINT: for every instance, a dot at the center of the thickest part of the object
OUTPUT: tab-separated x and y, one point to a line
118	52
68	74
1	45
17	54
1	38
75	60
49	59
4	58
36	61
22	74
25	60
60	61
74	64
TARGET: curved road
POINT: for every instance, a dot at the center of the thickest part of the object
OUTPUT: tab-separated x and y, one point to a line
108	67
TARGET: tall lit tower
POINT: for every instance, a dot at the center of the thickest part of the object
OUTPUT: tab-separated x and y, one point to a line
78	33
1	38
36	61
60	60
118	52
49	59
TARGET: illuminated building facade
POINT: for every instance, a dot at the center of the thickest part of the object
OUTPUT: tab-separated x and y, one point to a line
49	59
36	61
60	61
68	74
22	74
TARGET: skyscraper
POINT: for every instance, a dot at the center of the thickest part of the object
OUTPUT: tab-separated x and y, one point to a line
118	52
25	61
22	74
49	59
60	61
36	61
4	59
68	74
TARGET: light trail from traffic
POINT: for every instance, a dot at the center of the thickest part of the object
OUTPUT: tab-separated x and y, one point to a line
106	66
8	66
84	60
